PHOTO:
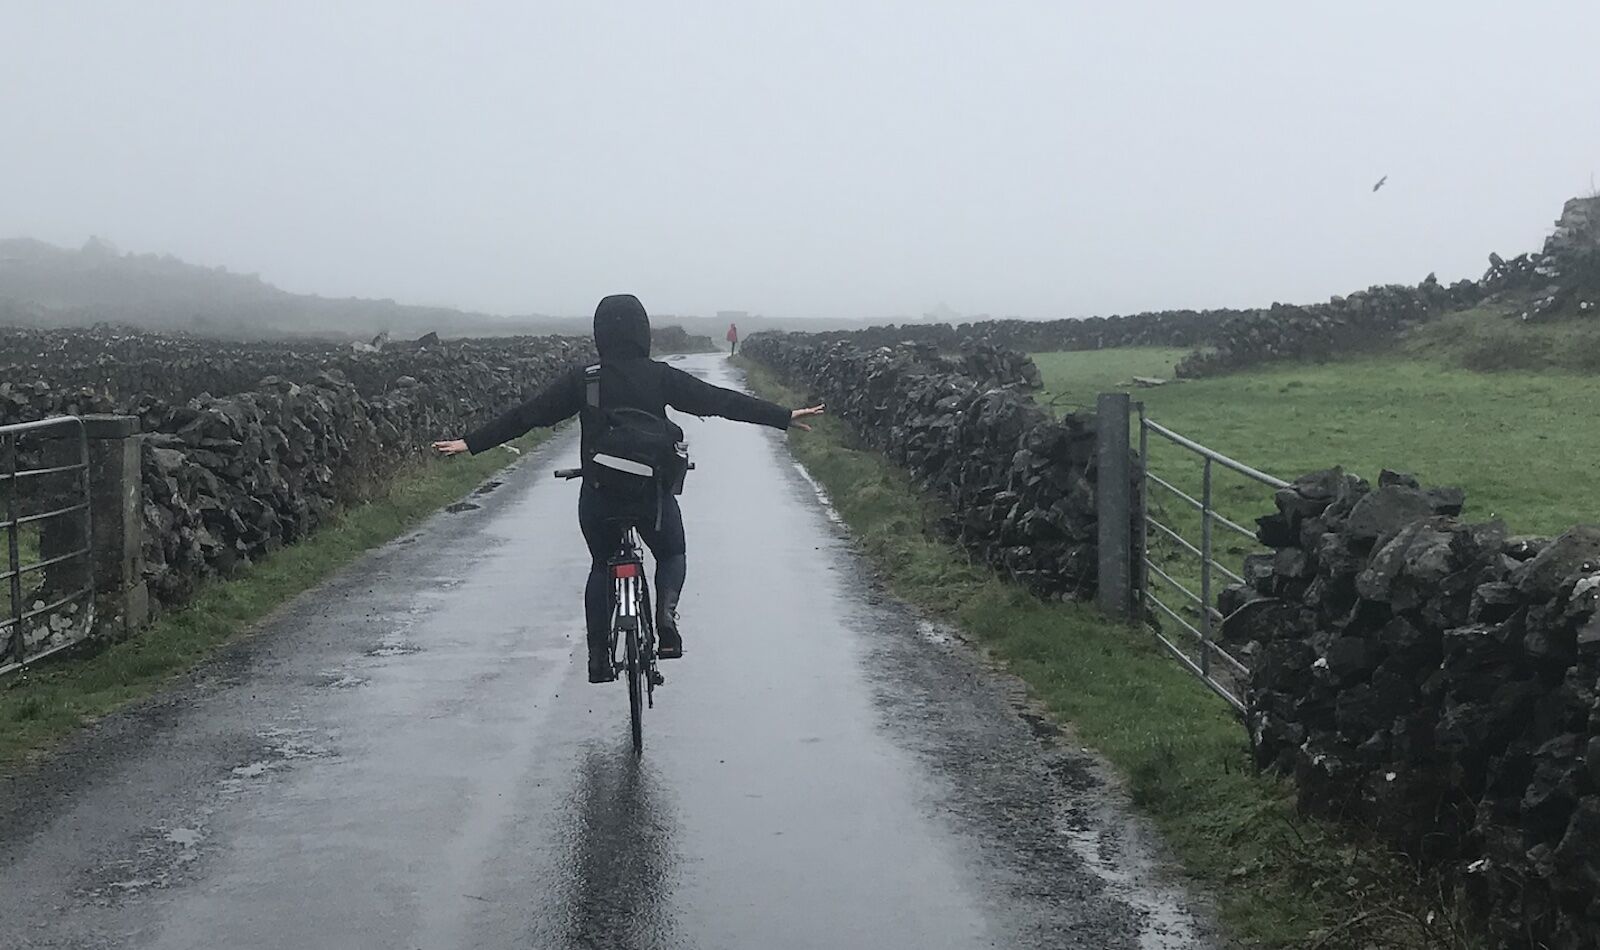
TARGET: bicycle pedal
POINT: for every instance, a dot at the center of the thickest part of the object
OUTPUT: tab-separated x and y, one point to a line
657	678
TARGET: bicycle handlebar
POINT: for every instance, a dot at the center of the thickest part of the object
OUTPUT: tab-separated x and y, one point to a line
571	473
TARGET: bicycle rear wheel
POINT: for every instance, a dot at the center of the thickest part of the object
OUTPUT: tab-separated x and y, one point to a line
636	689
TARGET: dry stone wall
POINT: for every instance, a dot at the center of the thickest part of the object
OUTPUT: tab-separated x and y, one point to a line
1435	680
45	372
1019	484
1165	328
1363	320
249	447
1222	340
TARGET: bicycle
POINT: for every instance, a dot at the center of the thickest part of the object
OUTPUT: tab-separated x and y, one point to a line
632	623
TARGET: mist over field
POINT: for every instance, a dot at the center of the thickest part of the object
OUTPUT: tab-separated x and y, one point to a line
882	160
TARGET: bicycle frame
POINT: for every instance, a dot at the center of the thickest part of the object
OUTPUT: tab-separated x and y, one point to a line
627	578
632	625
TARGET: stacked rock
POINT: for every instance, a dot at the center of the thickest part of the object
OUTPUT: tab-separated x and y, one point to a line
1435	680
1364	320
1018	484
251	446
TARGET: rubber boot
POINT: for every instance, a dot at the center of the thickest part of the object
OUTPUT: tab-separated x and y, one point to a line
669	639
600	667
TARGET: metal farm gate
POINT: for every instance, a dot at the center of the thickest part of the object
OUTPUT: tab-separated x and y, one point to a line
47	580
1184	554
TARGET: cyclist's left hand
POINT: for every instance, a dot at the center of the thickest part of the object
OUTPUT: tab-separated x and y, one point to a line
798	414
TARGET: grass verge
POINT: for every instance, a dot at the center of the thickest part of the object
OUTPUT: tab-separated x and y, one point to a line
1280	880
43	703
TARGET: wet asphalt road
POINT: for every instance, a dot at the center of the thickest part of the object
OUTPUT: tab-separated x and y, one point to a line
410	757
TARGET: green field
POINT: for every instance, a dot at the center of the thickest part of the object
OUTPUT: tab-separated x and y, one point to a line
1519	441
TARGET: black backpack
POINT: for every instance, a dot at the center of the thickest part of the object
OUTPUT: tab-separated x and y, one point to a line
633	450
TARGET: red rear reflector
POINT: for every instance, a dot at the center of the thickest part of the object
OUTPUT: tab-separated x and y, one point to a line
624	570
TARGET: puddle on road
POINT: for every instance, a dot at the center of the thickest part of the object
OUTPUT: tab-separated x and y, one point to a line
339	680
166	852
488	487
188	843
254	769
161	857
461	506
1165	924
1042	727
285	748
393	649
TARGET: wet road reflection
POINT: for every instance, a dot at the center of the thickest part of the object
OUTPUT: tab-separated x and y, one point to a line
621	860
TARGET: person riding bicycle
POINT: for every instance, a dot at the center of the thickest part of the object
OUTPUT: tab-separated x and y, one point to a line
629	381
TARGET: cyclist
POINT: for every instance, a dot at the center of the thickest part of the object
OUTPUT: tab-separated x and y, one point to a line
628	380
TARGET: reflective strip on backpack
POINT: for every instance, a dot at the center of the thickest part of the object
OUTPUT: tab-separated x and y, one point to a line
628	466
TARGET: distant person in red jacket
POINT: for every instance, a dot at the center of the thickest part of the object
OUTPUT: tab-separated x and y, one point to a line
733	338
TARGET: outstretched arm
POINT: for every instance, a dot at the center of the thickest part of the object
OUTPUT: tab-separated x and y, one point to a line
809	412
698	397
560	400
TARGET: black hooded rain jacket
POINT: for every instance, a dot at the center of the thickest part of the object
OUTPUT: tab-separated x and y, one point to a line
629	379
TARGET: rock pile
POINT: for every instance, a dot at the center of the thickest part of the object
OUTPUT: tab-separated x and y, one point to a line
1567	273
1020	485
1438	681
1518	273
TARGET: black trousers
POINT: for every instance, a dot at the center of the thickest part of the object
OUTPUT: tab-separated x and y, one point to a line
604	519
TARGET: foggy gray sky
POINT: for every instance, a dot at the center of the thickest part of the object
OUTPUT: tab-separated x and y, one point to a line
822	158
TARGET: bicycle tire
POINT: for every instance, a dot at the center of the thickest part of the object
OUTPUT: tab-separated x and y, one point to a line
649	645
636	689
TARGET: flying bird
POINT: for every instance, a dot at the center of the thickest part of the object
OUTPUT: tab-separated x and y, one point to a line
1380	183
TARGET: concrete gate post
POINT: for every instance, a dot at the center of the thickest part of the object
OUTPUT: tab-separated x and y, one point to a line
116	545
1114	500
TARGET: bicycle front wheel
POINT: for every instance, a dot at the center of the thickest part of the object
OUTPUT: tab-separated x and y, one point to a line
636	689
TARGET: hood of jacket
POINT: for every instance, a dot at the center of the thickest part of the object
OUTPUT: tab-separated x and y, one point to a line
621	328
